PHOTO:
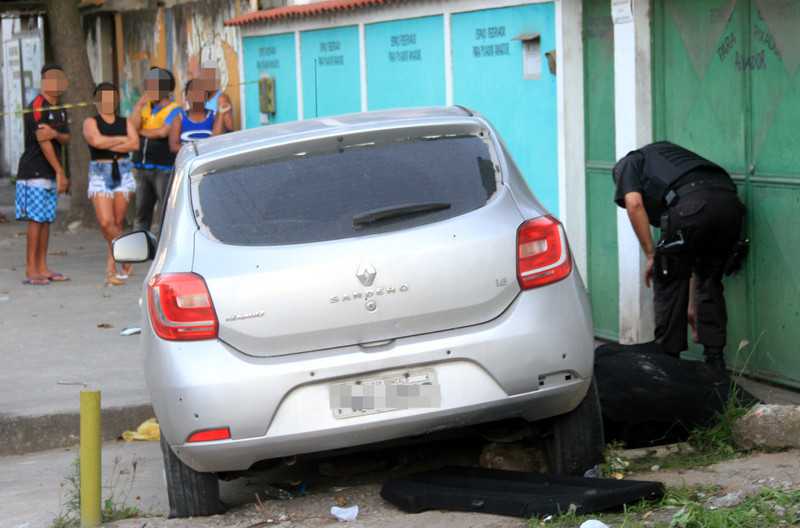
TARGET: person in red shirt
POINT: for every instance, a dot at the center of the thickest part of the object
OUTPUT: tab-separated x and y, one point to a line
40	176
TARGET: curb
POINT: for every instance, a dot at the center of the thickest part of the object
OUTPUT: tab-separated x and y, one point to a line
27	434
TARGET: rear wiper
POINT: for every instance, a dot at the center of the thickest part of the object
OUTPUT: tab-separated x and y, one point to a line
395	211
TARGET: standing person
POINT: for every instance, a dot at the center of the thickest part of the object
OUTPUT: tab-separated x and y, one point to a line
695	204
111	138
218	101
152	116
41	177
197	122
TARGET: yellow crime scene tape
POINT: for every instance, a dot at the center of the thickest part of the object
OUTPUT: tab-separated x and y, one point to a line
67	106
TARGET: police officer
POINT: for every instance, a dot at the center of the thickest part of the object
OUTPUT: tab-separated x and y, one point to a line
694	202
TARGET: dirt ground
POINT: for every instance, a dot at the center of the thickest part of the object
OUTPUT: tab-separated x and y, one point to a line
747	474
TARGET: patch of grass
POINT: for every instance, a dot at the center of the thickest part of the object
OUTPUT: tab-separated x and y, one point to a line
687	508
767	509
113	508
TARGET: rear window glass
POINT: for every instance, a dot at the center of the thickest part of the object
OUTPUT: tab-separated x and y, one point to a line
316	197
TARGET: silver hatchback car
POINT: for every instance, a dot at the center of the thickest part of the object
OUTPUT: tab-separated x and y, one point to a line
338	282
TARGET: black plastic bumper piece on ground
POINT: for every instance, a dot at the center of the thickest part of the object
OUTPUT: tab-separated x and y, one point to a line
513	493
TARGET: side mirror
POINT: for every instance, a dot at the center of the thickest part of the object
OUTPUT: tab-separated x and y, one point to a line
138	246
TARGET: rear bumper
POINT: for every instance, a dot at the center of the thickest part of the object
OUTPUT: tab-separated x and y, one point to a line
534	361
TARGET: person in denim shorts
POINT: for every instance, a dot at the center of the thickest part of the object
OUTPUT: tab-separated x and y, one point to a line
111	137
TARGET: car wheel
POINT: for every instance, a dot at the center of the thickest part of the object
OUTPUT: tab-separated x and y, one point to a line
191	493
576	441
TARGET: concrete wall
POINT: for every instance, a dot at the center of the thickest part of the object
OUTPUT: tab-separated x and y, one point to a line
179	36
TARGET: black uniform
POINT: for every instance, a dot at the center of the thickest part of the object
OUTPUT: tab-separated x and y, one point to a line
695	204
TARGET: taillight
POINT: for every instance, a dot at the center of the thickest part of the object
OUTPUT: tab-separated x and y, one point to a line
210	435
181	308
542	253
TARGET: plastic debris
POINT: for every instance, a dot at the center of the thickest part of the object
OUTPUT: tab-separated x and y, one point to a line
728	501
130	330
345	514
593	472
276	493
148	431
594	523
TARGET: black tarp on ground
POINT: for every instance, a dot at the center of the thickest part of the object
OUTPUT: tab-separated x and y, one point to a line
649	398
512	493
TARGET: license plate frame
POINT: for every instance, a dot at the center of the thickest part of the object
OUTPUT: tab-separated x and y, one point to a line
410	389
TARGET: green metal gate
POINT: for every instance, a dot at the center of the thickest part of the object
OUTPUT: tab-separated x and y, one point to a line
726	84
601	217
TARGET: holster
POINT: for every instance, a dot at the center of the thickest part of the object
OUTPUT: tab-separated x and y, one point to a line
670	261
739	251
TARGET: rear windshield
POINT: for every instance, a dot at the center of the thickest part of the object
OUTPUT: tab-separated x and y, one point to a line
316	197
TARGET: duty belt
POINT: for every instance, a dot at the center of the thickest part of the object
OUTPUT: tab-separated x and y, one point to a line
674	194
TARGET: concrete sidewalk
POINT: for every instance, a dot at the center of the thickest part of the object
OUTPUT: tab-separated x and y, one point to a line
52	346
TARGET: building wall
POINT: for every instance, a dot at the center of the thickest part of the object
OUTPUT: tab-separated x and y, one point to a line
179	37
23	57
728	86
416	55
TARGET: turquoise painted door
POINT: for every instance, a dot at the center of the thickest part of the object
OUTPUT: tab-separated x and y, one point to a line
400	54
331	72
500	70
271	55
601	212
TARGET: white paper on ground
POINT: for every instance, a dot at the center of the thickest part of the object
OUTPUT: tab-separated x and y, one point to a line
345	514
594	523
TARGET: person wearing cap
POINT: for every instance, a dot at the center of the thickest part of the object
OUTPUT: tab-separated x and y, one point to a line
40	176
152	117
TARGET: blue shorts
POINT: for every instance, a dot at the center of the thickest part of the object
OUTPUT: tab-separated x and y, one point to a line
36	203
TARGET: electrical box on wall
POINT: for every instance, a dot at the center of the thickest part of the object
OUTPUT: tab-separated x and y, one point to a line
531	55
266	95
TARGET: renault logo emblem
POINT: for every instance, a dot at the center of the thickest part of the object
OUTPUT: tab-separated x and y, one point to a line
366	274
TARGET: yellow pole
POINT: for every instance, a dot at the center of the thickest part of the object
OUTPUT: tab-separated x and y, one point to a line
91	444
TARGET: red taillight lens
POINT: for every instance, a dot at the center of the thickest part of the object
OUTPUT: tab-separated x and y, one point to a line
181	308
542	253
210	435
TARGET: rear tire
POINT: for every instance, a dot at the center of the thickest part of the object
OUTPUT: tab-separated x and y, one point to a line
577	441
191	493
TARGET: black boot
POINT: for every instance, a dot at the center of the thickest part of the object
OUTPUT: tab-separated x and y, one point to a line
715	358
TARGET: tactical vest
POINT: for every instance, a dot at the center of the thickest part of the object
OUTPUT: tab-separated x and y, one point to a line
665	163
155	151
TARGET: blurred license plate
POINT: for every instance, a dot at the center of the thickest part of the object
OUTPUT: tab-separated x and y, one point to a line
404	390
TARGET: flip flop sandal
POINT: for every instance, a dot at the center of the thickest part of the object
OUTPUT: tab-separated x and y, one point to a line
112	280
36	282
58	277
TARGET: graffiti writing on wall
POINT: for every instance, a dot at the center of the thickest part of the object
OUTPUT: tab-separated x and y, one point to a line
484	47
325	49
267	59
728	42
404	41
756	61
766	38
